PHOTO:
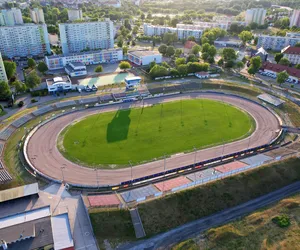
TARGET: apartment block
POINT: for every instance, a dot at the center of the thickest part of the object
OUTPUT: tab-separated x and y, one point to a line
256	15
292	54
295	18
78	37
75	15
87	58
3	76
37	15
182	33
24	40
276	43
11	17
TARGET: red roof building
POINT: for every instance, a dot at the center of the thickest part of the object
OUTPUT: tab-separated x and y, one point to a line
276	68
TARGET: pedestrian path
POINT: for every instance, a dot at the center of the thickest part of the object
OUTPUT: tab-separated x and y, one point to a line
137	223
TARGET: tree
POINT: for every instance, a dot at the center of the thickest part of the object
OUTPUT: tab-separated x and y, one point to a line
282	77
166	65
158	71
179	61
297	44
142	16
284	61
5	92
10	68
245	36
99	69
42	67
278	57
124	65
297	66
192	58
170	51
204	40
152	64
174	72
120	43
229	54
125	50
191	38
32	80
19	87
212	51
170	38
163	49
31	63
196	49
205	48
182	69
253	25
178	52
239	64
221	62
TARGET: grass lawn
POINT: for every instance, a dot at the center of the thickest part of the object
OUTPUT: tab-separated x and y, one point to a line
255	231
114	226
177	209
140	135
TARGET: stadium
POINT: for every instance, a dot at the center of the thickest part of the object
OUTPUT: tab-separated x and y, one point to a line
57	151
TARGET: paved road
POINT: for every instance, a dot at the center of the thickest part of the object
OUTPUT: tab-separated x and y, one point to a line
170	238
44	155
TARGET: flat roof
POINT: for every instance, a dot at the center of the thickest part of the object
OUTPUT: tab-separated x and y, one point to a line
141	53
24	217
133	78
61	230
229	39
18	192
58	79
77	64
271	99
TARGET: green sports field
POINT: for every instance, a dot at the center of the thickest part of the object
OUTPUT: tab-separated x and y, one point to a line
139	135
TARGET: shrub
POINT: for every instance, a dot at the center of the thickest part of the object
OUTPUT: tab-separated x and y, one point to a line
33	100
282	220
42	92
20	104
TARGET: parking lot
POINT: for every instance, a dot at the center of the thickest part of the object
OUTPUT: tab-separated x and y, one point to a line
269	75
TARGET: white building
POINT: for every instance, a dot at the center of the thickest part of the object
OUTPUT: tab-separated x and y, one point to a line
24	40
133	82
109	3
3	76
144	57
59	84
37	15
87	58
256	15
292	54
295	18
203	25
276	43
11	17
182	33
74	69
75	15
77	37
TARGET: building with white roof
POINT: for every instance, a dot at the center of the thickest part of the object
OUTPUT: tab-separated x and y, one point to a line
182	33
77	37
144	57
37	15
3	76
75	15
11	17
24	40
59	84
87	58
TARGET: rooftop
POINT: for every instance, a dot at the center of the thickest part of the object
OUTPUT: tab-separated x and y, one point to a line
18	192
291	50
279	68
271	99
77	64
58	79
228	39
141	53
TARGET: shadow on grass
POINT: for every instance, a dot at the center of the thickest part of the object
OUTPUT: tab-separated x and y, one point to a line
117	129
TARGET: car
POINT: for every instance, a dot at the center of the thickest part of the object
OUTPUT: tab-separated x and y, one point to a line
94	88
88	89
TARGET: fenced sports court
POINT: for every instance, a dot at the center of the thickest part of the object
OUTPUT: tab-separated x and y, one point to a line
105	79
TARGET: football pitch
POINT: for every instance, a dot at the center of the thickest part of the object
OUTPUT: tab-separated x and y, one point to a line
139	135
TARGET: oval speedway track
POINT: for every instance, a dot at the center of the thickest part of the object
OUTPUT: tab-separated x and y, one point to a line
43	154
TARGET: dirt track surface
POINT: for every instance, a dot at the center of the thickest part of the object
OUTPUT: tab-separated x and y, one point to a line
44	156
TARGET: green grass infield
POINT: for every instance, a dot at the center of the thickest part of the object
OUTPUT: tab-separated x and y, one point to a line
139	135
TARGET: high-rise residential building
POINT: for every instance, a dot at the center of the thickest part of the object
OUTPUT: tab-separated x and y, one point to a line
78	37
75	15
295	18
182	33
3	76
276	43
11	17
256	15
37	15
24	40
